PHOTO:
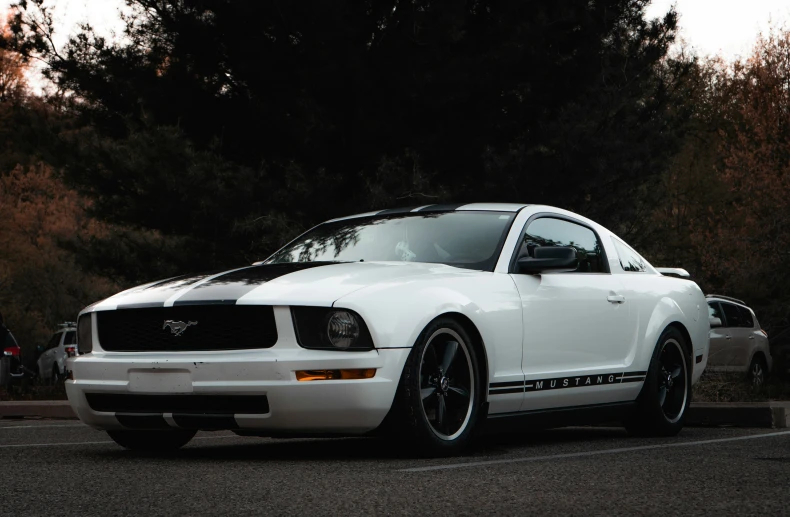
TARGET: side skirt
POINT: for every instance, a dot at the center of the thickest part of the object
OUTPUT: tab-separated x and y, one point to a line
555	417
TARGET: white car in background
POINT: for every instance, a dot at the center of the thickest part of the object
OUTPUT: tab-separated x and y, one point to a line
737	343
431	322
51	364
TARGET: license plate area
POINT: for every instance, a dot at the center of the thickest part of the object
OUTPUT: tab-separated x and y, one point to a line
164	380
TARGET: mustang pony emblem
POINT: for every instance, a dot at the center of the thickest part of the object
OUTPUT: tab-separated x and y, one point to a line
177	327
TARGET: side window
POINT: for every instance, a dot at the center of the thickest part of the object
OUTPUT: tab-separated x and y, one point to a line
714	311
746	317
629	259
71	338
548	231
54	341
733	314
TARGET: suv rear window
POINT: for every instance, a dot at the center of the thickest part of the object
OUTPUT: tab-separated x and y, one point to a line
746	317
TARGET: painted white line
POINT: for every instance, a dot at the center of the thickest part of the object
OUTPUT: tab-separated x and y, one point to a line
41	426
589	453
94	443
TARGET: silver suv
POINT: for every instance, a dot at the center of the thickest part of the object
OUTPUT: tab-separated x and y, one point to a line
737	343
51	362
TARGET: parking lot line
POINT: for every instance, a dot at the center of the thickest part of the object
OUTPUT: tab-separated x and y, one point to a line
18	445
41	426
589	453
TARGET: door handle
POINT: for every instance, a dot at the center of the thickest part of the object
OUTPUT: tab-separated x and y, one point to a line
616	298
727	337
751	337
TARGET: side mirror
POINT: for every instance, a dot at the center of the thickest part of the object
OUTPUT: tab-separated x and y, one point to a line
549	258
714	322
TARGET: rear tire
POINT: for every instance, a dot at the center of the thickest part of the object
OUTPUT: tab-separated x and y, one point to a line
152	441
438	398
758	371
665	397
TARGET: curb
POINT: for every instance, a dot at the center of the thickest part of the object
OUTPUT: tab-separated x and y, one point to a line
700	414
772	414
36	408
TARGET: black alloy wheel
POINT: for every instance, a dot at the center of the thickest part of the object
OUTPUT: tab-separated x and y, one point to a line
439	395
660	408
447	383
672	392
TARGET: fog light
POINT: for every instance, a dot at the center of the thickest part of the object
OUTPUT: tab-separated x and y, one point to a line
329	375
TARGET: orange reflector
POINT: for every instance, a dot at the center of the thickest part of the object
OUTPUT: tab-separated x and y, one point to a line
328	375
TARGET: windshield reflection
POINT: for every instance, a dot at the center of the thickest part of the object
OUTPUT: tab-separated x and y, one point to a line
463	239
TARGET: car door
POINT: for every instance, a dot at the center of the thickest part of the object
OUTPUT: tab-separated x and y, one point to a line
577	330
720	352
743	339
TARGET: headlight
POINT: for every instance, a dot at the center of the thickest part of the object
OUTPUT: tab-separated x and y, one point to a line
342	329
85	334
320	328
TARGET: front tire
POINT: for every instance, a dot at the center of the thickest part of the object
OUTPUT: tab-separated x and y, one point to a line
439	394
665	397
152	441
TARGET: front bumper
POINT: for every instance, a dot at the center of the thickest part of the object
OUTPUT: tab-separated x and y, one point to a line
290	406
263	380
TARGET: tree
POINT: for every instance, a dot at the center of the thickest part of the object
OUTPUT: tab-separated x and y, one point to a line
41	283
744	248
231	126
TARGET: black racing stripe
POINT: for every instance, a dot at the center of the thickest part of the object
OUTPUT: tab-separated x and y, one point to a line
142	420
633	379
505	391
504	384
628	374
197	421
231	286
442	208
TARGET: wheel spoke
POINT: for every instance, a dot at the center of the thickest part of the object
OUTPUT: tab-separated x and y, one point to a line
441	410
460	390
676	371
449	355
427	392
430	356
662	395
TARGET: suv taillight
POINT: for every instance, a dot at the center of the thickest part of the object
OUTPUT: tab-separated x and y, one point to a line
764	333
12	350
71	350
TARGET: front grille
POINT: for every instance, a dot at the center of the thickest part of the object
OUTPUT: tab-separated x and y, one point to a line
184	404
187	328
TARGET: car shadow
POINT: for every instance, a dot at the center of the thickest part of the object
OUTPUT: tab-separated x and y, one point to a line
362	449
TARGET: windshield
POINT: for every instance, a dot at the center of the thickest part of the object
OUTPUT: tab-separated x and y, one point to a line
463	239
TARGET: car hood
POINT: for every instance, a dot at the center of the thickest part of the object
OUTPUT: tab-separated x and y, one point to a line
313	283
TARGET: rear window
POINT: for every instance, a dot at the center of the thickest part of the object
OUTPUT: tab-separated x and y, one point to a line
737	316
746	317
71	338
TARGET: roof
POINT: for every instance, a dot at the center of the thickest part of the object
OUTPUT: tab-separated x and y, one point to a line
460	207
727	298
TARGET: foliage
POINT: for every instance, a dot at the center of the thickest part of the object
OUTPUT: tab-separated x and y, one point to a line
40	282
231	126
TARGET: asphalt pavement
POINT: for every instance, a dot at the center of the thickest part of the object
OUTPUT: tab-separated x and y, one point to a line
60	467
